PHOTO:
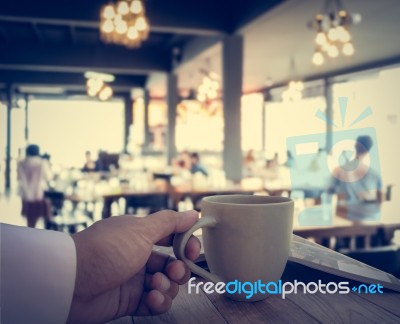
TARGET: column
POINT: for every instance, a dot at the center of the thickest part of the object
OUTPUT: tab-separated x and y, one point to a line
7	170
172	102
329	112
232	73
146	100
128	119
26	119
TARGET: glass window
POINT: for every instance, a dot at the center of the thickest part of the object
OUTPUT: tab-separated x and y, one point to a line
199	127
287	119
252	106
66	129
379	91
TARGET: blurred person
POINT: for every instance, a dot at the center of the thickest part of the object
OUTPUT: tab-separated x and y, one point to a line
355	181
102	273
290	161
90	165
249	163
196	165
33	177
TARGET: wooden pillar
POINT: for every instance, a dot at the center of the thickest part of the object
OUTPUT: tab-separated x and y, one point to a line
328	92
172	102
146	100
232	73
128	119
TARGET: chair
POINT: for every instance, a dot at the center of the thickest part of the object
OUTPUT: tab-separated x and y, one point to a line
154	202
56	199
385	258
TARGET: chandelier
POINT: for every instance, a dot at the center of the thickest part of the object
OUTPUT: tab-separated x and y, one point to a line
208	89
124	23
294	91
333	36
96	85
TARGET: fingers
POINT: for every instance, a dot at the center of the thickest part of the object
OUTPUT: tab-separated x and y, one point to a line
158	261
178	272
164	223
162	283
157	302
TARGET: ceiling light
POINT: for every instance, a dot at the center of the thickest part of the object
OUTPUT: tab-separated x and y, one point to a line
124	23
333	32
96	85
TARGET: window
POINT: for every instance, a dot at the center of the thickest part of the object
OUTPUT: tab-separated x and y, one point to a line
66	129
252	106
287	119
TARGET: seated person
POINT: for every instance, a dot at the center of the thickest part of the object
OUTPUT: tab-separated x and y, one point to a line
356	184
90	165
196	165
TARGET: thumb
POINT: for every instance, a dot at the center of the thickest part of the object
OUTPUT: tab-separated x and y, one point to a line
167	222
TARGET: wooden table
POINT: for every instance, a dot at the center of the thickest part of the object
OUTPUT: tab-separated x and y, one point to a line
388	223
300	308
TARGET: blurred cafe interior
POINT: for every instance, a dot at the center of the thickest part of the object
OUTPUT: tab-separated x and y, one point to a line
137	106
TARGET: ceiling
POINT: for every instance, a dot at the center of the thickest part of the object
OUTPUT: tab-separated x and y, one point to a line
281	34
48	43
53	45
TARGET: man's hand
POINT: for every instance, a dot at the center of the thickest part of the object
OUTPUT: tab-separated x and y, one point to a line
117	272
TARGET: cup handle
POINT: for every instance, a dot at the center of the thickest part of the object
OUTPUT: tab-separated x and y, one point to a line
179	244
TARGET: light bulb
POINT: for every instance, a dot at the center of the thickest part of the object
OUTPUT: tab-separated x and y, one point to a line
348	49
136	7
117	19
320	39
215	85
333	51
141	24
92	92
333	34
122	27
108	12
212	94
344	35
299	85
123	8
318	58
201	97
132	33
108	26
105	93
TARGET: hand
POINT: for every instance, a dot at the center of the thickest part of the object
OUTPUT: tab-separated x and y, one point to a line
118	274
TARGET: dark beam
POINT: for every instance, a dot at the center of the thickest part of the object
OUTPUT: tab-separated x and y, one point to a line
72	33
61	58
68	80
37	32
174	16
4	34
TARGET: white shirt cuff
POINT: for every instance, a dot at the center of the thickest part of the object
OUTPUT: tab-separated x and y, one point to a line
38	270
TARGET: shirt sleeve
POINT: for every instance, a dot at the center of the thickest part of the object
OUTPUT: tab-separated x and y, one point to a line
38	270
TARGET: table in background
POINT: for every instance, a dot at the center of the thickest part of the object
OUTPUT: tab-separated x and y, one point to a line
177	194
142	196
385	227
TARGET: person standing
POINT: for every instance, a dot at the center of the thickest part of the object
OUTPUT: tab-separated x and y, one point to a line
33	177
